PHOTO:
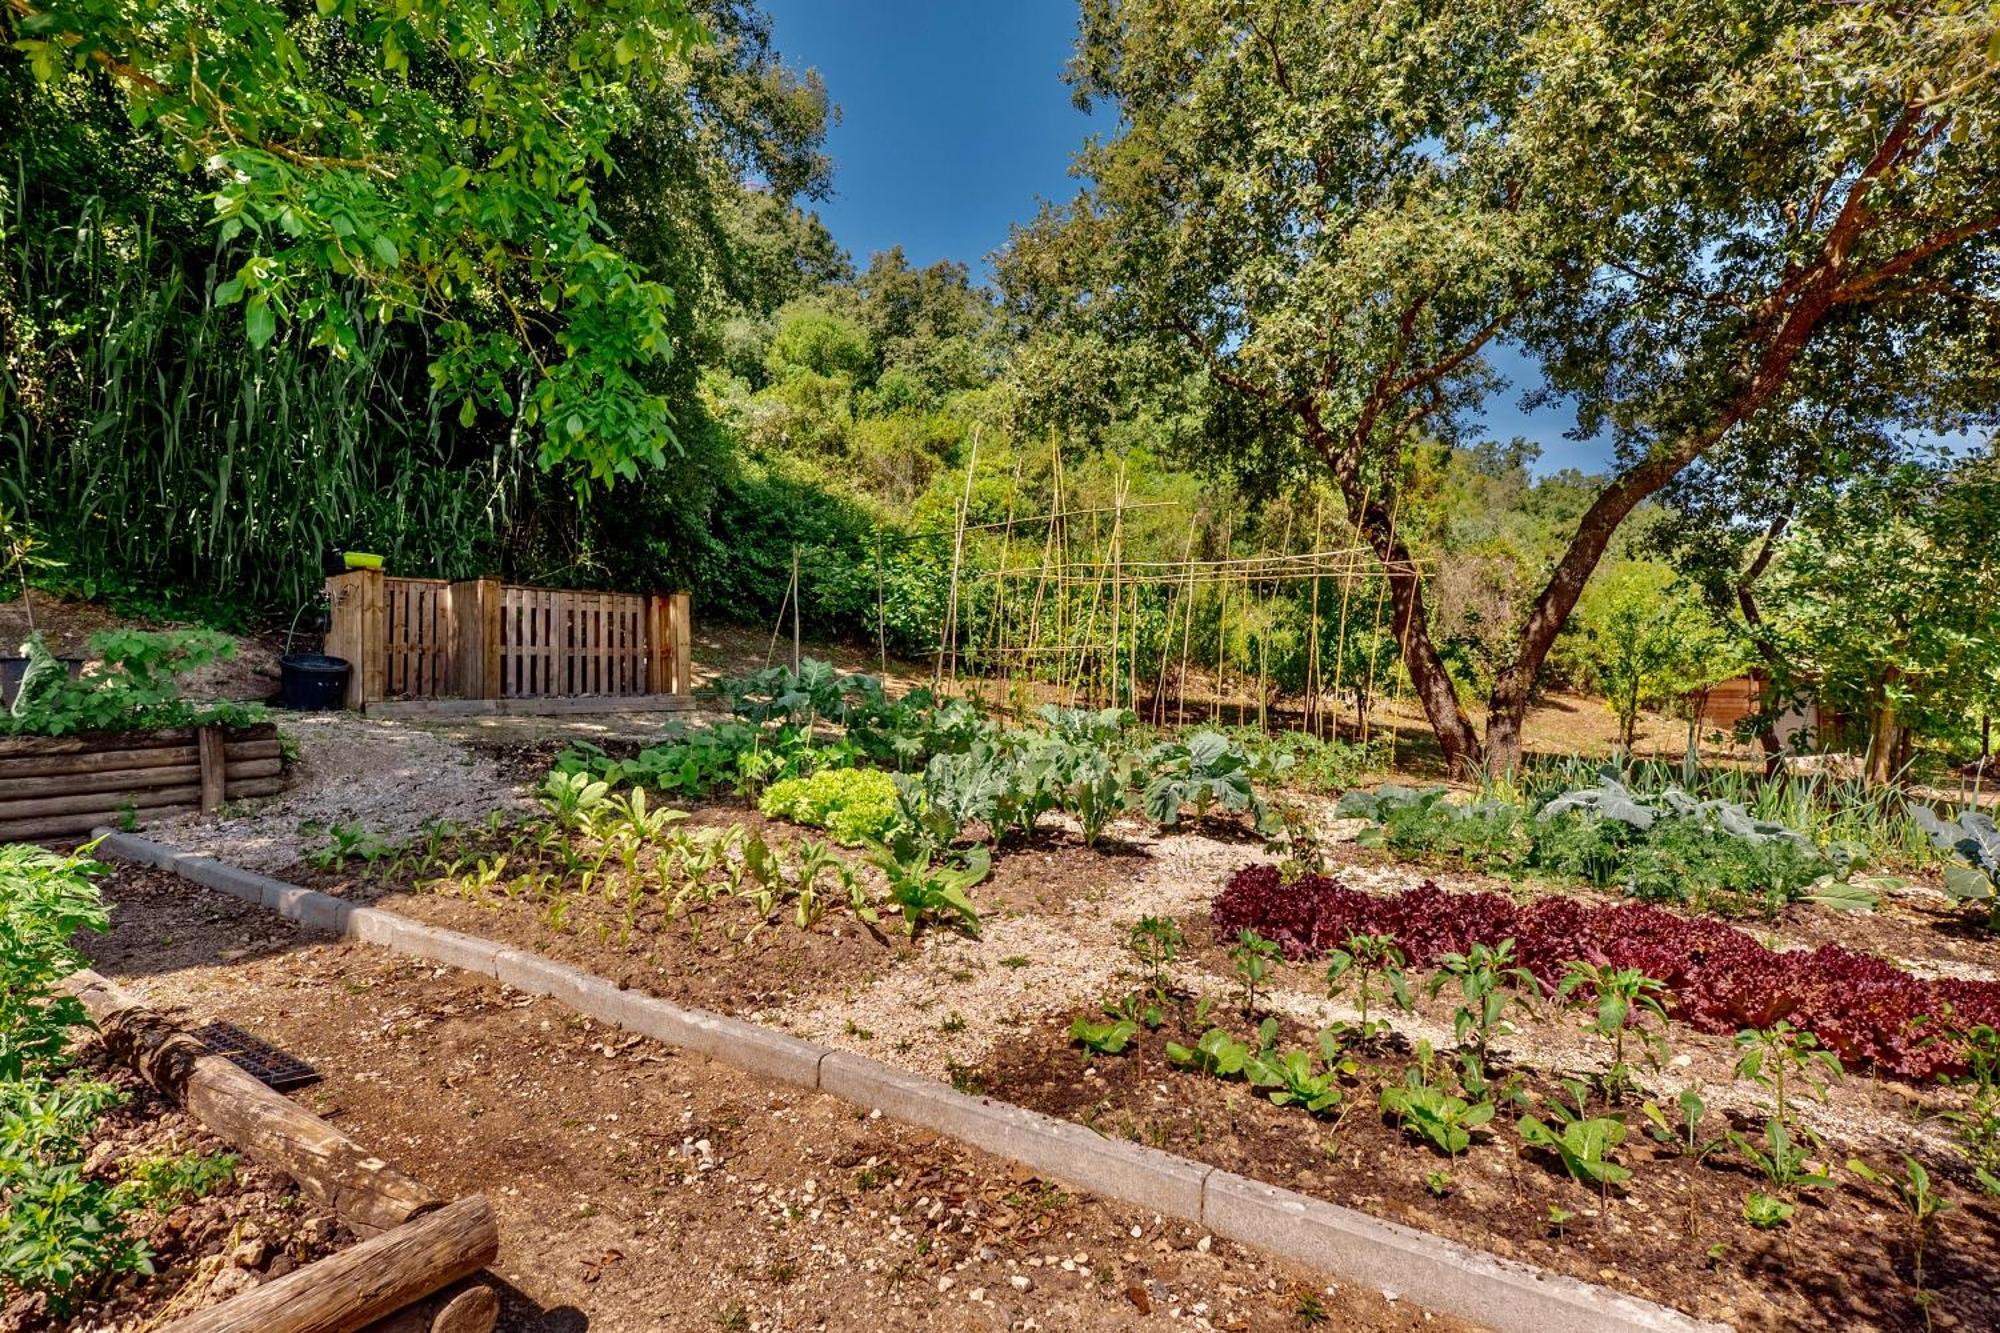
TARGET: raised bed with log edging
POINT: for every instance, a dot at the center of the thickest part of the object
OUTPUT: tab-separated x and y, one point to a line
54	786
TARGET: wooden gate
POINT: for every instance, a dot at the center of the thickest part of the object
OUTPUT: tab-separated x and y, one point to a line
565	643
480	639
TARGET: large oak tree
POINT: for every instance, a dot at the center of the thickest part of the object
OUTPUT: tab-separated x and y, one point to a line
1703	219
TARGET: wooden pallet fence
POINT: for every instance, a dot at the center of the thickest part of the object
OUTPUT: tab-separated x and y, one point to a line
57	786
481	639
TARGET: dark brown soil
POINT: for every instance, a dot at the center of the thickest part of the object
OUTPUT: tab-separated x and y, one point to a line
1673	1234
716	967
204	1251
639	1189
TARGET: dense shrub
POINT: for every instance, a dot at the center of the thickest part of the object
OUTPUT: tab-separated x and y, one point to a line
1720	979
854	805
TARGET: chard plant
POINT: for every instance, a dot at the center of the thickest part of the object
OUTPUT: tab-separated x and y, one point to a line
932	893
1103	1038
1766	1212
573	800
1583	1143
1424	1110
1216	1053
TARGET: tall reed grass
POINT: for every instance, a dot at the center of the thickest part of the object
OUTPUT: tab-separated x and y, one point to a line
146	439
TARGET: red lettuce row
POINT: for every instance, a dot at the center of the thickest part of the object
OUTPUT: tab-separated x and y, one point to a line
1875	1015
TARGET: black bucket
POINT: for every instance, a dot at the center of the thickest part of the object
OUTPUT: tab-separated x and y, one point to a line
312	682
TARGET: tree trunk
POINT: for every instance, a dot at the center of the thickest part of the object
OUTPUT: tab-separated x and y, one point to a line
1373	515
1883	731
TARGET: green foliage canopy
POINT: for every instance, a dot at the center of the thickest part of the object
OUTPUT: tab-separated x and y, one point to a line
439	157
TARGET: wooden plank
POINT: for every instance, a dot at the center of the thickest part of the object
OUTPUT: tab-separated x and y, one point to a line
656	662
241	770
214	767
680	676
249	787
39	747
489	611
552	608
235	750
371	664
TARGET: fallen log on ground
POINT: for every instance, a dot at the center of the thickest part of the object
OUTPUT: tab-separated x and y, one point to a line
368	1281
464	1307
367	1194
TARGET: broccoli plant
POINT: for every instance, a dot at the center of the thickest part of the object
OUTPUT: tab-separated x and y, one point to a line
1208	771
1974	838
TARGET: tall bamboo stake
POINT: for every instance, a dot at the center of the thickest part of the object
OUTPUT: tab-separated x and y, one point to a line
949	645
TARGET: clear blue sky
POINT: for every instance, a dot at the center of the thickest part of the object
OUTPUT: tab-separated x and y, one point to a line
955	121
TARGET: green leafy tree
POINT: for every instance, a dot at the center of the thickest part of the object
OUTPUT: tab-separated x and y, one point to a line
1883	604
437	159
1646	643
1313	221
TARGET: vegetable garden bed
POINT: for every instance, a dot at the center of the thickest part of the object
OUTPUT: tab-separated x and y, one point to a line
1676	1231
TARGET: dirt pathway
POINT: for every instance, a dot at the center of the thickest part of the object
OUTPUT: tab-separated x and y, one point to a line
640	1189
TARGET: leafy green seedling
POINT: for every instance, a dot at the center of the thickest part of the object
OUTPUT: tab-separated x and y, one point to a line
1103	1038
1766	1212
1583	1146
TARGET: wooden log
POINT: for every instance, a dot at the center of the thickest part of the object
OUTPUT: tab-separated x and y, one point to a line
39	747
100	802
269	749
109	779
68	765
214	767
364	1192
42	747
254	787
71	826
345	1292
468	1306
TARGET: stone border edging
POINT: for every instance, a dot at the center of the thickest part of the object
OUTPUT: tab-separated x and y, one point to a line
1430	1271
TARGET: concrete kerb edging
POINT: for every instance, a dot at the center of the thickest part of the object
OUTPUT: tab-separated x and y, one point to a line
1427	1270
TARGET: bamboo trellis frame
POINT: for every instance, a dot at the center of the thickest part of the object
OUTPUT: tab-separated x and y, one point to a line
1071	613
